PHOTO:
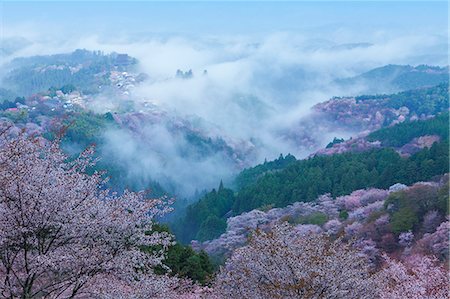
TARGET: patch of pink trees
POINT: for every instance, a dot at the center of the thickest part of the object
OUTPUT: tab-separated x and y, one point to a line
280	264
419	277
62	235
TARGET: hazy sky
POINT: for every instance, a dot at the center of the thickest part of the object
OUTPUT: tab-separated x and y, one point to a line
216	17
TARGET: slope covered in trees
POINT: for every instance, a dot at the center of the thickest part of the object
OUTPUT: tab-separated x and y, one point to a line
304	180
136	259
286	263
341	174
287	180
403	133
372	112
206	219
249	175
86	70
423	101
65	236
386	219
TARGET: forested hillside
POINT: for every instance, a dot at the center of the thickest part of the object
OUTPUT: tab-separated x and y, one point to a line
287	180
88	71
341	174
372	112
401	134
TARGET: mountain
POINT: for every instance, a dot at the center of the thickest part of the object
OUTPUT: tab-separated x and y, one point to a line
11	45
406	138
371	112
286	181
358	115
394	78
86	70
125	140
373	216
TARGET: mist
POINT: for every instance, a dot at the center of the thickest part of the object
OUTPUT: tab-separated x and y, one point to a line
251	86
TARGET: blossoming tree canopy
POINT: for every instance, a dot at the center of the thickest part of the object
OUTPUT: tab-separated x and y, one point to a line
61	232
282	264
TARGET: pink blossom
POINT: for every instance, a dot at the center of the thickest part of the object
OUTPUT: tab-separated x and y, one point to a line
333	226
62	234
279	264
437	243
405	239
420	277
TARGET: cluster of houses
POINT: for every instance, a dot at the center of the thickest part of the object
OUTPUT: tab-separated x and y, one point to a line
123	81
58	101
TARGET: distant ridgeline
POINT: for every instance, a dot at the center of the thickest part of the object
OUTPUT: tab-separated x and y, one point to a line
398	77
287	180
86	70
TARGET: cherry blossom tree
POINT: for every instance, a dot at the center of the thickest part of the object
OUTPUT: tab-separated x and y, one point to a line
352	230
431	221
437	243
419	277
282	264
63	235
333	226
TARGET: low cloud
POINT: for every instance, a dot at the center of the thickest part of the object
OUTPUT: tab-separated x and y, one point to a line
256	88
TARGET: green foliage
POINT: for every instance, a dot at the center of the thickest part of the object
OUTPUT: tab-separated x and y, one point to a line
343	214
68	88
421	77
34	74
335	141
401	77
250	175
85	128
206	218
266	208
18	116
316	218
205	146
11	103
403	220
424	101
211	228
408	208
341	174
443	200
305	180
403	214
403	133
183	261
427	101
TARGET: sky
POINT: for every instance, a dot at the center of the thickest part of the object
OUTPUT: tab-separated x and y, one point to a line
220	17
